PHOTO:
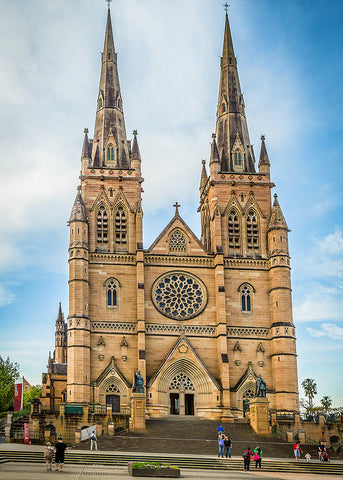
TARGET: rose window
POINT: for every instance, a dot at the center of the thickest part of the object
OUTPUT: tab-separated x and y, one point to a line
180	381
179	295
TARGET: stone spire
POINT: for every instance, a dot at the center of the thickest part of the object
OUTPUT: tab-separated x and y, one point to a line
86	152
277	220
60	316
135	154
110	146
78	213
203	178
264	159
232	130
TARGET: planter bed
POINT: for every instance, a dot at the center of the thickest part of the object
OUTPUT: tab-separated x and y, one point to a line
154	469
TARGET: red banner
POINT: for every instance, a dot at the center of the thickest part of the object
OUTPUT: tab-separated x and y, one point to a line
26	434
18	397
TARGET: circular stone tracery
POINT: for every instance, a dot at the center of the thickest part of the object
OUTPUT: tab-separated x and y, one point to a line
179	295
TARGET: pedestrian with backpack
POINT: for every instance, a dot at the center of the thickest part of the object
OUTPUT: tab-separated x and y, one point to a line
94	442
247	454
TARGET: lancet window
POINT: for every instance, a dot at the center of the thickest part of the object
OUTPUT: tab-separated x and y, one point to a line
121	227
238	158
111	293
177	242
110	153
246	298
234	231
102	225
252	231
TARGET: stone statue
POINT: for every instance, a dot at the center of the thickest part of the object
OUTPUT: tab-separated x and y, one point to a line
138	383
261	387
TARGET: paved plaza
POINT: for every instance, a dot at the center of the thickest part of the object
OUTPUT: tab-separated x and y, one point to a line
31	471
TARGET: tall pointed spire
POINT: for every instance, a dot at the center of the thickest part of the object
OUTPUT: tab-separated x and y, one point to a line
232	130
110	146
78	213
60	317
135	154
264	159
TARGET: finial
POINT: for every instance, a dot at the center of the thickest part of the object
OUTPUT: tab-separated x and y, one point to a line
226	6
108	3
263	137
135	132
213	136
79	191
176	205
85	131
203	162
275	196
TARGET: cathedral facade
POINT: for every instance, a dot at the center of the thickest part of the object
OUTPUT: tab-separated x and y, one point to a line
200	318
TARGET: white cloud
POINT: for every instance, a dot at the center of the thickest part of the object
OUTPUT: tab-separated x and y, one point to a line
6	296
320	303
327	330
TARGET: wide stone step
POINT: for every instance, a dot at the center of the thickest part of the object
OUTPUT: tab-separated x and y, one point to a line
98	458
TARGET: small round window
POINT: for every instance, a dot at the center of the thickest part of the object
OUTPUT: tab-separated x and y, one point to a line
179	295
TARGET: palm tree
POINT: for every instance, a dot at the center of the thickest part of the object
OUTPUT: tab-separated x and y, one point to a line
310	389
326	402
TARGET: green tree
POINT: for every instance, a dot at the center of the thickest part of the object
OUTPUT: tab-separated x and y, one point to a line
9	372
326	403
310	388
35	391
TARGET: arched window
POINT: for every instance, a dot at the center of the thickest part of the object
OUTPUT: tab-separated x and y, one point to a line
102	225
110	153
100	102
234	231
246	298
223	108
252	231
111	294
120	227
177	242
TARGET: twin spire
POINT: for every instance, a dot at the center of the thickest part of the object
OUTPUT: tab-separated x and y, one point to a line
109	147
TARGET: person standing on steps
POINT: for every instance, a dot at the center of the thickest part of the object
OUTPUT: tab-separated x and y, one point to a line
258	457
220	430
247	454
94	442
48	455
60	448
297	451
221	446
227	446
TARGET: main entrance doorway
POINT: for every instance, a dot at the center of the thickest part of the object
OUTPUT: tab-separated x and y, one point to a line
114	402
174	404
189	404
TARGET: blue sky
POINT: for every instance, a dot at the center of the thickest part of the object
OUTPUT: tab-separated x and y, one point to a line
291	67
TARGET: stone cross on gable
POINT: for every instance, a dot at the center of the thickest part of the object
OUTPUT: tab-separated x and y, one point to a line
176	205
226	6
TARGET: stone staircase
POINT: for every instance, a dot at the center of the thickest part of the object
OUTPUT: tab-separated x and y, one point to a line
195	436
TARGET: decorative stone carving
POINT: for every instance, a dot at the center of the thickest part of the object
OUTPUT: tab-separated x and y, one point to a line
101	341
260	348
237	347
237	362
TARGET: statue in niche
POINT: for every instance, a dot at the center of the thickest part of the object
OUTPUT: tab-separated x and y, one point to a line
261	387
138	383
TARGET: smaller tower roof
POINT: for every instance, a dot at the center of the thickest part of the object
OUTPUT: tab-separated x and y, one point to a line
264	159
86	152
204	177
277	220
135	153
78	213
214	150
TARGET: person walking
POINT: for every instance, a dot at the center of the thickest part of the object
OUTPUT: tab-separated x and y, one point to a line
48	455
297	451
227	446
247	454
60	448
94	442
258	457
221	446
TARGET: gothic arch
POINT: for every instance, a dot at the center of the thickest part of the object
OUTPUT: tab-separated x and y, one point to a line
121	226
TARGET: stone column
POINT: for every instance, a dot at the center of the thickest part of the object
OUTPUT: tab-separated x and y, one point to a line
182	402
259	419
138	401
